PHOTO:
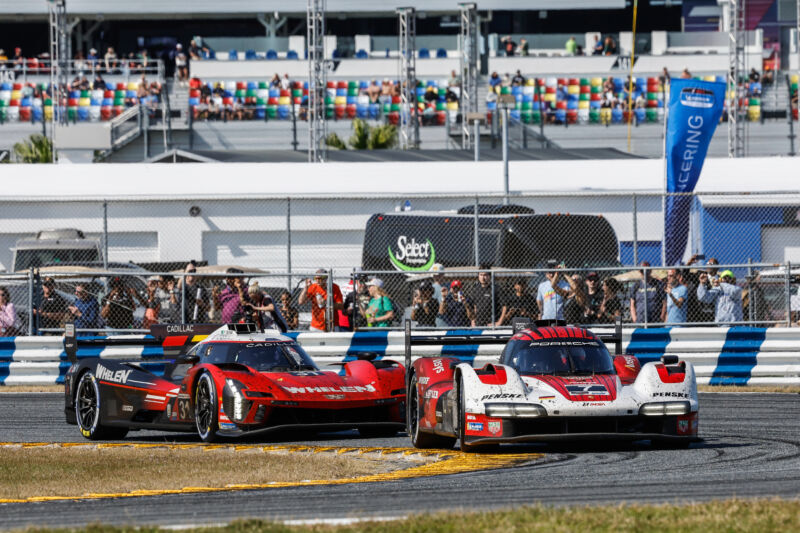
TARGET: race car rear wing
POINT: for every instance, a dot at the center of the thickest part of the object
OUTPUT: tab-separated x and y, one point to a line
175	339
518	324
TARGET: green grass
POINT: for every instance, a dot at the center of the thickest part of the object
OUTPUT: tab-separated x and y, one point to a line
720	516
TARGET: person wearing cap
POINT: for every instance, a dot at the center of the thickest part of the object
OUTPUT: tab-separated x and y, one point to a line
52	312
676	295
455	309
261	310
724	293
380	311
489	307
647	298
424	306
317	292
357	299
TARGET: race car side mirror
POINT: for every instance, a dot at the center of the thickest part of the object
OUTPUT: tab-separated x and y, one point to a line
669	359
190	359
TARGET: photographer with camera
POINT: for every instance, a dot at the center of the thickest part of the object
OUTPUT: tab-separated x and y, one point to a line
118	305
724	293
317	293
455	309
552	293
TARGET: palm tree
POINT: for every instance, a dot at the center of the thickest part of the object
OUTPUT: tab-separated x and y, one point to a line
37	149
365	137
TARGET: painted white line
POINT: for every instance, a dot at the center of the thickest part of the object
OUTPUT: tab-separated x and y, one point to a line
341	521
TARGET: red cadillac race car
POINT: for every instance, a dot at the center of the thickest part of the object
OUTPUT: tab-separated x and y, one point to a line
236	381
553	382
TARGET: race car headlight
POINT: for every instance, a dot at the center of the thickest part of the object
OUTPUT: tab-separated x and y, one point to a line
514	410
665	409
233	401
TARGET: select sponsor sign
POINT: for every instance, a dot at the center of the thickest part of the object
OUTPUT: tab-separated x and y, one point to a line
412	255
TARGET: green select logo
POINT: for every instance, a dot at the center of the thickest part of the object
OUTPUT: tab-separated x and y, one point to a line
412	256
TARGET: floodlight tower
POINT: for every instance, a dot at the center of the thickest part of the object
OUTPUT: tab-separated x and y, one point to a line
58	63
317	80
468	48
407	51
737	66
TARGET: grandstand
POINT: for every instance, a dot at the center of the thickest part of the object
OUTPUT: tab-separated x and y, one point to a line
230	77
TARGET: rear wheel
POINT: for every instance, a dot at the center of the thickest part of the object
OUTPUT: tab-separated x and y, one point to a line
418	438
206	412
87	411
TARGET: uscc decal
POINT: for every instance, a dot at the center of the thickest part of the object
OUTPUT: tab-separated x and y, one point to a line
120	376
303	390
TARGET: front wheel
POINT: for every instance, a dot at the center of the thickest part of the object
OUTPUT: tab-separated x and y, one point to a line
206	412
87	411
418	438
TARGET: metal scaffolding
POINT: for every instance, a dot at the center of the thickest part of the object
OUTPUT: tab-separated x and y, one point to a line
317	81
59	48
468	48
737	67
407	76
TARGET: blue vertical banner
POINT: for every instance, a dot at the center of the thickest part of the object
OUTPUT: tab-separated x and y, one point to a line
695	108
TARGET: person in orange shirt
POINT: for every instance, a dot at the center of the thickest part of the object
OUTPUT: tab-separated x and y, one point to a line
317	292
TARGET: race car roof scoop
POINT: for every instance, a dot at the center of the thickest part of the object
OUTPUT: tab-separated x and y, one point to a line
366	356
669	359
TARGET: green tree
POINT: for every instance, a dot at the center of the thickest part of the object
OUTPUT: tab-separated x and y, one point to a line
365	137
37	149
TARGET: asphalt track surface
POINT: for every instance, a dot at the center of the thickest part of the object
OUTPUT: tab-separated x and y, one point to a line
751	448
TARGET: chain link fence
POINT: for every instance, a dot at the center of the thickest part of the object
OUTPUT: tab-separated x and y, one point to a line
128	260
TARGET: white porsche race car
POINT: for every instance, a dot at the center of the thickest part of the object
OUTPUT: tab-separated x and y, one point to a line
553	382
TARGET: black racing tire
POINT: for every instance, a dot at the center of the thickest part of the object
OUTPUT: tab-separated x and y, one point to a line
421	439
462	417
88	411
377	432
206	411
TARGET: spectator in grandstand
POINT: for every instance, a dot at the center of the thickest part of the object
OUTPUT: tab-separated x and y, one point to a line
664	78
79	62
575	307
488	301
518	79
289	313
686	75
118	305
143	89
491	96
8	315
99	83
640	102
110	60
3	57
431	95
455	309
506	80
181	64
495	80
317	293
275	82
92	58
18	59
52	312
424	306
611	307
754	75
597	48
286	84
196	295
356	302
438	281
194	51
386	91
509	46
85	310
521	303
380	311
646	298
523	47
551	296
676	294
450	96
767	78
455	79
144	58
571	46
75	84
724	293
609	46
374	91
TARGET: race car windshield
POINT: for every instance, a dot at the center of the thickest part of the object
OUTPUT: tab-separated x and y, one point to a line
558	357
262	356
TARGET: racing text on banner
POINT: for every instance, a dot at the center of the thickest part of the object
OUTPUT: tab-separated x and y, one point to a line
695	108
